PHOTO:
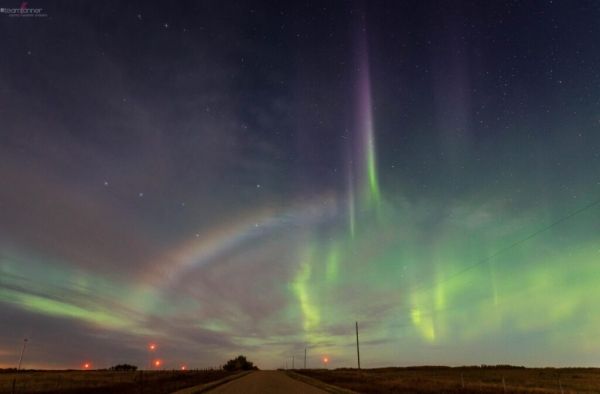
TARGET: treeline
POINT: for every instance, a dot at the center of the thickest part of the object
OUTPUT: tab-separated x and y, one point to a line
123	367
445	367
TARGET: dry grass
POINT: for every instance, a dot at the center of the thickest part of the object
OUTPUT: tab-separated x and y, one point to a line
448	380
109	382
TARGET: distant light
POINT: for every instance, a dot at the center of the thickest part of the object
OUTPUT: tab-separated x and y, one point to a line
152	346
183	367
87	366
325	359
157	363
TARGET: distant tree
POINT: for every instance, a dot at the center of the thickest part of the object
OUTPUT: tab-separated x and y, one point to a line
123	367
240	363
502	366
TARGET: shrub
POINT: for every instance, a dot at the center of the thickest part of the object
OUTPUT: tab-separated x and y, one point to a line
123	367
239	364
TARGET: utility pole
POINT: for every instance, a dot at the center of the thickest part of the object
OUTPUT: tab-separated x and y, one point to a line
292	362
19	366
357	348
22	352
304	358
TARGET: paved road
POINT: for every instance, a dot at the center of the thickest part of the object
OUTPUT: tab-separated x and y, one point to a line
267	382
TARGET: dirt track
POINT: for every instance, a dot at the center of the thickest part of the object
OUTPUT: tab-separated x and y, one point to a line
267	382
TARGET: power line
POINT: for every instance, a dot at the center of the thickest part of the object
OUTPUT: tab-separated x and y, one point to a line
514	244
497	253
423	285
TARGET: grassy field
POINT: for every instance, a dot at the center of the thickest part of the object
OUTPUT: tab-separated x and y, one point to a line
109	382
417	380
450	380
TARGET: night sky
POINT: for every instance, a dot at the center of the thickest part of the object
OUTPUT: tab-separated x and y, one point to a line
224	178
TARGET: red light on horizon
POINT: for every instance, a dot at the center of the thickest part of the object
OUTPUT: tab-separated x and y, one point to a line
325	359
157	363
183	367
87	366
152	346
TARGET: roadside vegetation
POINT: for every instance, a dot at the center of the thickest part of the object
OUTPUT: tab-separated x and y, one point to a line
105	381
484	379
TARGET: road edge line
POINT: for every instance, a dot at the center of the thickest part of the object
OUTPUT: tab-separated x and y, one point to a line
319	384
211	385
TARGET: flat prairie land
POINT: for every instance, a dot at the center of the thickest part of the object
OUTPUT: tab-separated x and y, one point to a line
105	382
462	380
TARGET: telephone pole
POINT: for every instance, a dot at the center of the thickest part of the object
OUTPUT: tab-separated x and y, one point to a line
14	382
292	362
357	348
22	351
304	358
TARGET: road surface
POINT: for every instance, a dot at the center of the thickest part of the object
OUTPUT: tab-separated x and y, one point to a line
266	382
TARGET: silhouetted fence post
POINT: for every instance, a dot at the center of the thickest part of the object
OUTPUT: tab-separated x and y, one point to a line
503	384
141	382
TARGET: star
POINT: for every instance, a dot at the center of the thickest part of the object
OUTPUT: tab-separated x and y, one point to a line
141	194
105	183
